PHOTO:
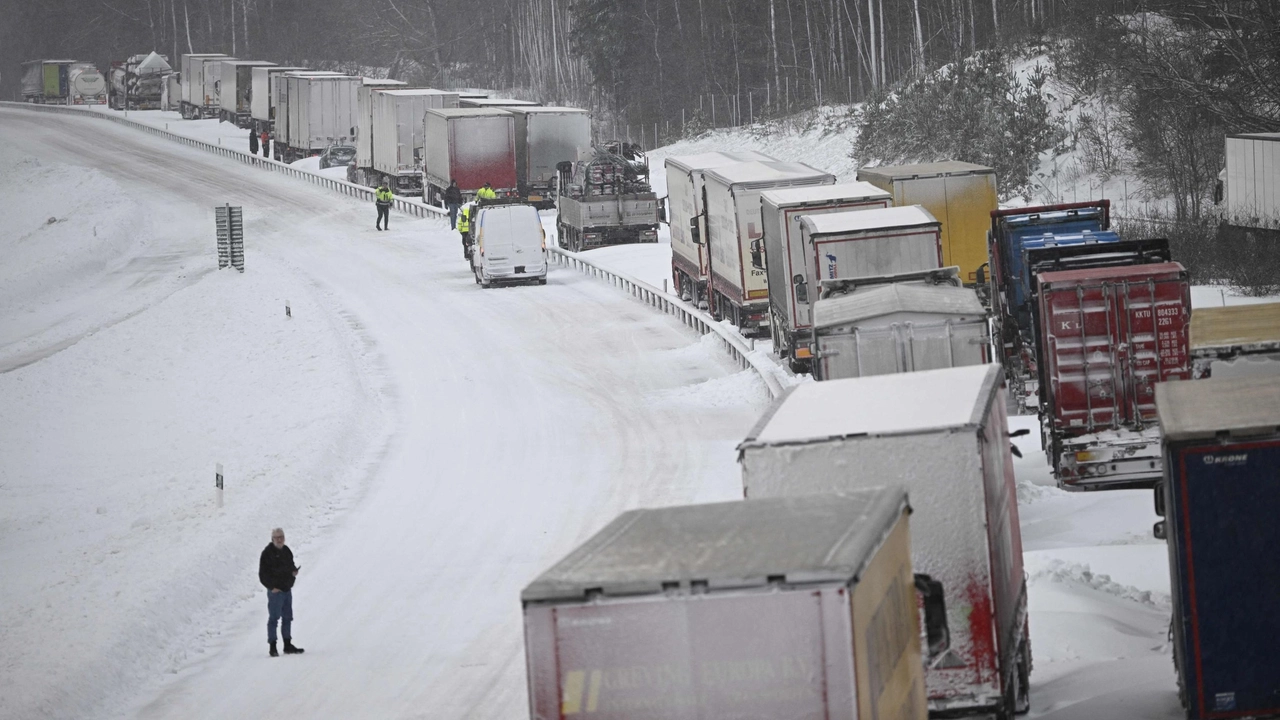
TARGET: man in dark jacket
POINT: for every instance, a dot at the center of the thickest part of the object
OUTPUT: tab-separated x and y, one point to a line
277	572
253	143
453	201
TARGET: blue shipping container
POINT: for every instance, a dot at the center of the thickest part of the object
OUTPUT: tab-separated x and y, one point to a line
1221	499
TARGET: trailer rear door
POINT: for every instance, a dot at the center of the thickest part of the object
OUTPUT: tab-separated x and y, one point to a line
1107	336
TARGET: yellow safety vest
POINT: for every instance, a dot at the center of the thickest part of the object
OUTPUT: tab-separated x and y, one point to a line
464	221
486	194
384	195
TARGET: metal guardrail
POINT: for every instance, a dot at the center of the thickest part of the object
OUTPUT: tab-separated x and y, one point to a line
690	316
410	207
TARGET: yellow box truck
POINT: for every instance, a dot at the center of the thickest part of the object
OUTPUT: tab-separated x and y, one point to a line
960	195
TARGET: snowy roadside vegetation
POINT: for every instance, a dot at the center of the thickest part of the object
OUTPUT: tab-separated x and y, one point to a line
980	111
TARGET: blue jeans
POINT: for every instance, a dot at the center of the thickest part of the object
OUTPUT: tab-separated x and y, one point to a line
453	215
279	607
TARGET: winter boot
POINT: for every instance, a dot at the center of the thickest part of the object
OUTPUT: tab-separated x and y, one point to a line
289	649
273	649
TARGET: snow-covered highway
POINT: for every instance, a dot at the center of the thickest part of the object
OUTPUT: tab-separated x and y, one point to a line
428	446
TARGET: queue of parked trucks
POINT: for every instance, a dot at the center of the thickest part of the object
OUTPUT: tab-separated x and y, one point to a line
874	567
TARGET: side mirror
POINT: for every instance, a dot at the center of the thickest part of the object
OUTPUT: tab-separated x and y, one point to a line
1159	530
982	274
695	233
802	289
934	605
1020	432
1159	501
757	254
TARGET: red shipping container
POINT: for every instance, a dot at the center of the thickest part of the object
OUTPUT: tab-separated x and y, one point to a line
1107	336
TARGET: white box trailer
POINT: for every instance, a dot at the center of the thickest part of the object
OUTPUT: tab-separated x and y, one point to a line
793	265
398	116
686	218
470	101
364	128
899	327
546	137
321	111
738	288
193	90
870	243
171	92
262	101
210	70
943	435
779	608
235	91
1252	187
279	93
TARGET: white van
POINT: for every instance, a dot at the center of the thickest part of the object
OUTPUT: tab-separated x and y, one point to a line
510	245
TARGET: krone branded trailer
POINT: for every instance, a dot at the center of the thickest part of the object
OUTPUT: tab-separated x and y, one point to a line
943	435
960	195
792	266
1220	499
778	608
471	146
321	111
737	285
687	219
546	137
235	91
899	327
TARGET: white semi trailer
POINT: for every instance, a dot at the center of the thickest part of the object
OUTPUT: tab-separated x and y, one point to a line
235	92
262	101
196	96
319	111
793	265
737	284
689	256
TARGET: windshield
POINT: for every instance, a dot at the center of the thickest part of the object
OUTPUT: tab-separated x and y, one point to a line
344	152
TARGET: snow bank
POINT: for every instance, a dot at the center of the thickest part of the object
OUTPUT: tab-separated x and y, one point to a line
108	529
821	138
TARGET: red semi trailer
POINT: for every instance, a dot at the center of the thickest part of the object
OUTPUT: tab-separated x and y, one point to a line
1106	337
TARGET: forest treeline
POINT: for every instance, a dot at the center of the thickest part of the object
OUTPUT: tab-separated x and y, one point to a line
641	61
1174	74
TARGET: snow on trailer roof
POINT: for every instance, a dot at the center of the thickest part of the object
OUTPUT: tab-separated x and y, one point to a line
763	171
882	300
863	220
894	404
249	63
1109	273
1256	136
535	109
824	193
702	161
1235	326
925	170
1201	409
816	538
382	82
407	92
468	112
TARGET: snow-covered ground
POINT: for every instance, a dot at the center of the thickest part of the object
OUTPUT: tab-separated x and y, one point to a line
428	446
